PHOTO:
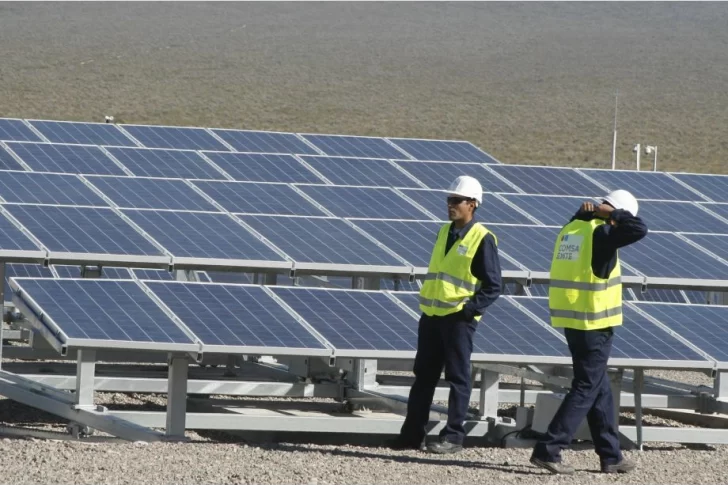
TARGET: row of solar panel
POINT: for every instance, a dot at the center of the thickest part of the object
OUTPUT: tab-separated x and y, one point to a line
72	235
282	168
190	138
290	320
327	200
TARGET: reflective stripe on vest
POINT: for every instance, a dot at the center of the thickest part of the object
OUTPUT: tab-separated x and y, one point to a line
441	304
609	312
451	279
581	285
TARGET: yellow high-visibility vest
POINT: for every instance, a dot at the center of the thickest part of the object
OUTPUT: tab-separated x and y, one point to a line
449	284
577	297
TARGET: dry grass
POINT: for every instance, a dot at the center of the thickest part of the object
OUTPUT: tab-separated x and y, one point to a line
529	83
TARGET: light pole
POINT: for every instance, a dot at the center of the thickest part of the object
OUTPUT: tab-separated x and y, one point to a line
636	149
652	149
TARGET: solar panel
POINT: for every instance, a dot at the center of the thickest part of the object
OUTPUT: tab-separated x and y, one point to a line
259	198
257	167
439	175
7	162
637	338
365	202
550	210
354	146
716	244
412	240
532	246
231	277
20	270
721	210
149	162
107	272
265	142
46	157
713	186
681	217
506	330
181	137
702	325
643	185
82	230
103	312
664	295
695	296
82	133
151	193
232	315
493	210
360	171
539	290
443	151
12	238
548	180
202	235
354	320
47	188
666	255
16	130
320	240
153	274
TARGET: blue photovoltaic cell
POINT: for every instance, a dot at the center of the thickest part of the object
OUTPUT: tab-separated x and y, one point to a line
103	310
360	171
664	295
265	142
83	133
713	186
7	162
705	326
532	246
440	175
493	209
716	244
201	276
696	296
16	130
411	240
397	285
259	198
539	290
644	185
234	315
257	167
145	193
548	180
637	338
19	270
111	273
666	255
12	238
550	210
508	331
47	188
234	277
320	240
147	162
46	157
82	230
370	203
354	146
721	210
154	274
183	138
443	151
202	235
354	320
680	217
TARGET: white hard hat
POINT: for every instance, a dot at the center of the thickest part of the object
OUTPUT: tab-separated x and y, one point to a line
621	199
467	187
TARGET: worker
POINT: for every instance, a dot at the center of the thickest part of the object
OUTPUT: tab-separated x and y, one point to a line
463	279
585	298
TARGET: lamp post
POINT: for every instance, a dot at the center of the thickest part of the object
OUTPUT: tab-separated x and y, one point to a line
636	149
652	149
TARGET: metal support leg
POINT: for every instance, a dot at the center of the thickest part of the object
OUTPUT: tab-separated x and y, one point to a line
85	374
266	279
488	394
721	385
639	381
185	275
365	374
177	397
365	283
230	366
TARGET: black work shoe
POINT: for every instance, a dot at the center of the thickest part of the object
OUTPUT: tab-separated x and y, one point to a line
557	468
443	447
624	466
401	443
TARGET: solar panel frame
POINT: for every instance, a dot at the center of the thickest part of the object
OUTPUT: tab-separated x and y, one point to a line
180	137
644	185
17	244
15	129
263	167
160	162
354	146
549	210
532	179
268	142
442	150
44	316
439	175
83	133
47	188
23	270
352	171
65	158
676	216
8	162
714	186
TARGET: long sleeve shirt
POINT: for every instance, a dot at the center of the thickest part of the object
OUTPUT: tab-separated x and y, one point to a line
485	267
608	238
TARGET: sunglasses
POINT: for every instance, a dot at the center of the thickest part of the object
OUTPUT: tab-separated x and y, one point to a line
457	200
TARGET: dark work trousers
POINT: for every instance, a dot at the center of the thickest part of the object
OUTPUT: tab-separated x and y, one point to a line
441	342
590	396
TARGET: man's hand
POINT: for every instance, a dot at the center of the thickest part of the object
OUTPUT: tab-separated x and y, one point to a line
601	211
